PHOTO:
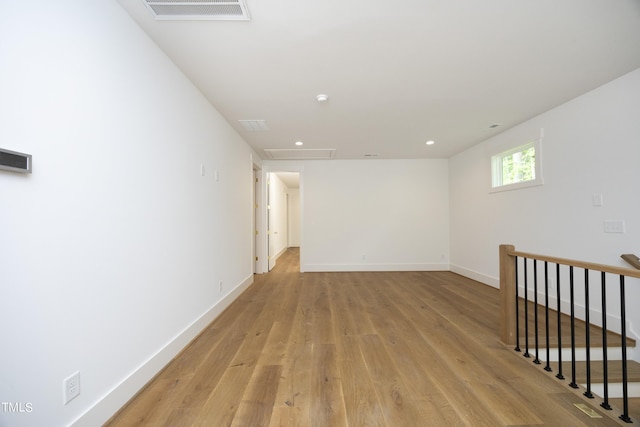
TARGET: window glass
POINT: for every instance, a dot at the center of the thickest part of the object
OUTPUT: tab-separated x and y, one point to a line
517	167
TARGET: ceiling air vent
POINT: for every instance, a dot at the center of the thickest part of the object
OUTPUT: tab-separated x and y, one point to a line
300	154
214	10
254	125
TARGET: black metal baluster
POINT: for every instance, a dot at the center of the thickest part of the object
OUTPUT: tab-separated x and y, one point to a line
588	332
623	331
535	308
559	313
526	312
546	311
573	330
517	310
605	362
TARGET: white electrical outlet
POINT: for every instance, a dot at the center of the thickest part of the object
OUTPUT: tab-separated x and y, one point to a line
71	387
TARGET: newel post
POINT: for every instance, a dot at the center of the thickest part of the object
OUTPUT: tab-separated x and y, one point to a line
507	295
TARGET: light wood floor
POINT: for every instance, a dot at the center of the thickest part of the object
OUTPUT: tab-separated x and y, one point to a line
356	349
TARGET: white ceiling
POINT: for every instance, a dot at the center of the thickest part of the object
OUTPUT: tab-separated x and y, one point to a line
398	73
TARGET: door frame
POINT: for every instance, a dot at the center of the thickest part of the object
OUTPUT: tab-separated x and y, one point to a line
262	240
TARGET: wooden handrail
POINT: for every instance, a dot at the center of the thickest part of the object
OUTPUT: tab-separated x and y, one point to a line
508	288
580	264
631	259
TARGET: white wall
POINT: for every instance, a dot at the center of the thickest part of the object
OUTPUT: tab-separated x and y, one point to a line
591	145
112	251
294	217
278	227
372	215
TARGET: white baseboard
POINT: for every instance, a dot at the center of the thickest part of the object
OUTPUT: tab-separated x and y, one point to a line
374	267
477	276
274	259
116	398
596	354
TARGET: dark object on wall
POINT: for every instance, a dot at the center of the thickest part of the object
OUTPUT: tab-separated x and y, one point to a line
14	161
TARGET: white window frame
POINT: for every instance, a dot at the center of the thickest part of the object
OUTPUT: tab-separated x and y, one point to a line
496	167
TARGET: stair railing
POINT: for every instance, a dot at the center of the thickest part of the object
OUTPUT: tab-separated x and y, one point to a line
631	259
512	263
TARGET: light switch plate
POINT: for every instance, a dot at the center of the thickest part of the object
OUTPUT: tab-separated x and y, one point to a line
597	200
614	226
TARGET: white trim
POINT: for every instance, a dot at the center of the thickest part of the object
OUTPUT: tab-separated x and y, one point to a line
615	390
477	276
278	255
518	185
374	267
596	355
117	397
514	148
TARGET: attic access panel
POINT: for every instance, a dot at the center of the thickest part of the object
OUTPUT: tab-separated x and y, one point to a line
195	10
300	153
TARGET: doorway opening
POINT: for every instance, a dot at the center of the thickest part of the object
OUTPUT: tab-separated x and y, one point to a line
283	215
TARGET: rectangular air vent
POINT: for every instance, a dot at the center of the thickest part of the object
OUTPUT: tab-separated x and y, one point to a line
185	10
254	125
14	161
300	154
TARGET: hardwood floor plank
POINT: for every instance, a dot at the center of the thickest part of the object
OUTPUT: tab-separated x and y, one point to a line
275	347
398	406
179	416
327	403
257	405
281	417
148	408
353	302
223	402
321	311
204	380
293	394
359	392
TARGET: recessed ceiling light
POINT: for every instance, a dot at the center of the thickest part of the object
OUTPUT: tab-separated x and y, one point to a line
430	142
322	98
299	143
